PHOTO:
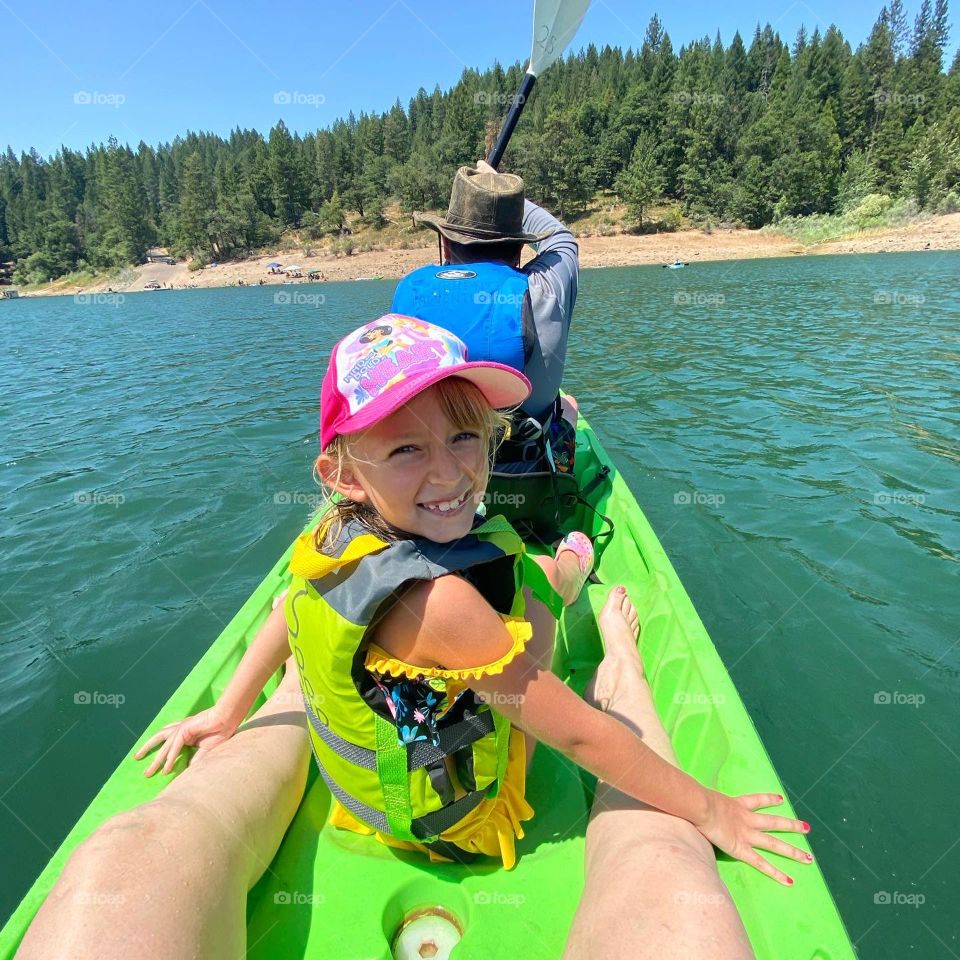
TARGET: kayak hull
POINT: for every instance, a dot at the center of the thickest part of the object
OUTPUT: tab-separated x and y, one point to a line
321	876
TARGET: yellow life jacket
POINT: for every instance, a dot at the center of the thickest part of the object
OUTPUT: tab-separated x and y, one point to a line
398	788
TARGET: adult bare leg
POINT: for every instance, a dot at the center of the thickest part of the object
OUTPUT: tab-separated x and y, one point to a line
652	886
169	879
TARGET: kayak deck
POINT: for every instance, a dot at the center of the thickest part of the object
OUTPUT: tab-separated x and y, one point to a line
322	876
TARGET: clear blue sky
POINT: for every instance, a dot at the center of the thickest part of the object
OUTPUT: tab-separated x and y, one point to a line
75	73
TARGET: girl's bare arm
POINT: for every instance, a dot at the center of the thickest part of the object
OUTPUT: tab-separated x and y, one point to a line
448	623
209	728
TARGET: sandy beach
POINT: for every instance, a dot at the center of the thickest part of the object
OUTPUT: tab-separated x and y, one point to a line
935	233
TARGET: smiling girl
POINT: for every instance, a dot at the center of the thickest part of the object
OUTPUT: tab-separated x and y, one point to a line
423	634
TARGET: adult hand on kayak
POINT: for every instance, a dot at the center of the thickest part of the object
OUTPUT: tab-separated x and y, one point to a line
733	826
204	730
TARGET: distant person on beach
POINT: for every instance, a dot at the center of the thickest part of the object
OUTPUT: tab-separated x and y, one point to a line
512	315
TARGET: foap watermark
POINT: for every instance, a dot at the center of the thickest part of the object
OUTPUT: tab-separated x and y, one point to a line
297	98
697	298
504	699
493	98
298	898
284	297
686	498
484	298
300	498
95	98
99	299
698	899
93	498
898	298
898	98
295	699
95	698
691	97
693	698
897	698
497	898
895	898
498	498
883	499
98	898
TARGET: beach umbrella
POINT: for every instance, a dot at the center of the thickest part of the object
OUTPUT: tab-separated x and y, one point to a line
292	267
273	263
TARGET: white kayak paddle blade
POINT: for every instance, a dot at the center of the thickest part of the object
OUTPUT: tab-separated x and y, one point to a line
554	24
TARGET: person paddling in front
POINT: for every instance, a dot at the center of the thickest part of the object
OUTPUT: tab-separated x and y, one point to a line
519	316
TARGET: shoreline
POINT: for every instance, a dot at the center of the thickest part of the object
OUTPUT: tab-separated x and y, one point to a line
620	250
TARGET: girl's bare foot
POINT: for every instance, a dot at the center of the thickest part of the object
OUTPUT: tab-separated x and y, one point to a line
621	667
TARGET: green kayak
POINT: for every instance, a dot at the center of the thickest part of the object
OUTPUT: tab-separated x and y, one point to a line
339	875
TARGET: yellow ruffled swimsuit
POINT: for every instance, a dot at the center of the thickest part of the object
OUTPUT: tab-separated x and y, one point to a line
493	826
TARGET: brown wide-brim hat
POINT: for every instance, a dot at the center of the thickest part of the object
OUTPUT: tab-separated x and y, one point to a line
484	208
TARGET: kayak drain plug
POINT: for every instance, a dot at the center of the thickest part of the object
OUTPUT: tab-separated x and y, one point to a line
429	933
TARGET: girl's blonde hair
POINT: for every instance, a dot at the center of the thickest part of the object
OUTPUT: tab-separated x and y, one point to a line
462	403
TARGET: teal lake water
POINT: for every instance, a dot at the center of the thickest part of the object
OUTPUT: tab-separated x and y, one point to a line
790	427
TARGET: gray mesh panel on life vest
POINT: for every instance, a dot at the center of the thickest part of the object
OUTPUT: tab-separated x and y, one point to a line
359	756
374	818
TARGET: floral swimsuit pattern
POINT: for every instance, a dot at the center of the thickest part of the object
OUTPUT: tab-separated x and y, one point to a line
417	697
415	705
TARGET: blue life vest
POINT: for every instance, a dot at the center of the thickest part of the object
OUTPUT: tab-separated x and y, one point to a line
487	305
482	303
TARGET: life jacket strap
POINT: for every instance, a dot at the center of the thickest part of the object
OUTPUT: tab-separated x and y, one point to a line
421	754
502	725
425	829
431	825
392	770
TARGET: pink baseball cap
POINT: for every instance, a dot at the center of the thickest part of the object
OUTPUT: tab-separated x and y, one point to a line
385	363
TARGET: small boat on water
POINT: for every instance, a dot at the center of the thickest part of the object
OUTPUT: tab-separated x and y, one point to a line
676	265
365	894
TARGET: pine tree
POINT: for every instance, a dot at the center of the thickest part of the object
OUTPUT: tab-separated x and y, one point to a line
641	183
286	181
195	208
562	174
856	182
899	29
126	233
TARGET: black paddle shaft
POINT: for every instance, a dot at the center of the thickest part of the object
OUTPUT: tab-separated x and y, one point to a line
516	108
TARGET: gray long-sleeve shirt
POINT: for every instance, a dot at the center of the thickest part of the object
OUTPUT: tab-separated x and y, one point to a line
553	277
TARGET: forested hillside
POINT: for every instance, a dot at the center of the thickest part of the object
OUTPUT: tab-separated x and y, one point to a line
745	133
